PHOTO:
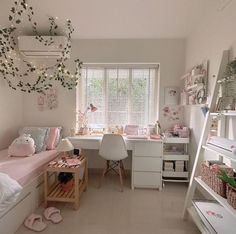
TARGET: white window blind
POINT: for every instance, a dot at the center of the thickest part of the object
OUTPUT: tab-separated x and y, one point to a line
123	95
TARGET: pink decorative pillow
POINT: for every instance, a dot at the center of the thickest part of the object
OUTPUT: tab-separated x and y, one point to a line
22	146
51	141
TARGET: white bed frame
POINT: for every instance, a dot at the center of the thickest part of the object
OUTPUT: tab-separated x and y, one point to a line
30	198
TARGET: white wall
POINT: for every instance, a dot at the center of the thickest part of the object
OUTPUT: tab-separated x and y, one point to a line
214	34
10	114
169	53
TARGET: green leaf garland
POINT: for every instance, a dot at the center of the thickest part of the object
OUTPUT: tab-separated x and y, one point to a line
10	59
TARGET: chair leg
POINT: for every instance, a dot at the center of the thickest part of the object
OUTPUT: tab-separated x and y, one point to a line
120	173
123	169
107	167
104	173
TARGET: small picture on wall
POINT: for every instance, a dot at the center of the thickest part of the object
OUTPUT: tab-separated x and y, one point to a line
48	100
171	96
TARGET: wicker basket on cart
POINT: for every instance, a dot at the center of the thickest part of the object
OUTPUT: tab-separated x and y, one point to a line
231	195
210	176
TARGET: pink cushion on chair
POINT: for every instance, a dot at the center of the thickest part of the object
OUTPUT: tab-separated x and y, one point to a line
51	142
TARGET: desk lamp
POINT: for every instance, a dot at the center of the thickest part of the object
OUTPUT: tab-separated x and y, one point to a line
65	146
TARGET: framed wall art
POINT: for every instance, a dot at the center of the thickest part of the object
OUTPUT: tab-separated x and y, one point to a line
171	96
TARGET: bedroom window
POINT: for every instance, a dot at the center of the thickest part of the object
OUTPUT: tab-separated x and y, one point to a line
123	94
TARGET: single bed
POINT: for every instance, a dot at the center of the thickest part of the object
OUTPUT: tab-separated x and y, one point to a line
28	172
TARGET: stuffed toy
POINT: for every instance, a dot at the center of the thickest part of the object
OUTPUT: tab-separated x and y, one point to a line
22	146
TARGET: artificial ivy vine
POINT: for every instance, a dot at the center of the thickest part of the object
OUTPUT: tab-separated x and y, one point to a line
11	62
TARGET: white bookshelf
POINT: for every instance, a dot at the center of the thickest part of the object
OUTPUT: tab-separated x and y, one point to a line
174	156
198	210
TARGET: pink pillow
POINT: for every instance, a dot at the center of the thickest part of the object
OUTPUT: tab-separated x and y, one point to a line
51	141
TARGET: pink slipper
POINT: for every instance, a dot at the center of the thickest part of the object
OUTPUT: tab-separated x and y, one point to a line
35	223
53	214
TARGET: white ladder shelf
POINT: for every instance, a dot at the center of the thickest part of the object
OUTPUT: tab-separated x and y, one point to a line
202	146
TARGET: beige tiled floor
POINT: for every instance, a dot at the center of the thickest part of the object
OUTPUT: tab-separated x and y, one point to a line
108	211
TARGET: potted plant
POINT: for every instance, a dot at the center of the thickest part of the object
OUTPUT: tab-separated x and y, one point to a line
230	70
230	187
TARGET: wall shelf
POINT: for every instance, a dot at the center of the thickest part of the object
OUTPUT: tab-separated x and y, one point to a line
195	85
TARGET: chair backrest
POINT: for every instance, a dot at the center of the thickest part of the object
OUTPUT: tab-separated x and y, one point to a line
113	147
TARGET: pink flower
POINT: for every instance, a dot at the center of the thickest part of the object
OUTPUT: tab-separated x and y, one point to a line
215	168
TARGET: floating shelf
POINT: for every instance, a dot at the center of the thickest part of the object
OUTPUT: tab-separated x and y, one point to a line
222	152
217	197
191	87
185	76
189	74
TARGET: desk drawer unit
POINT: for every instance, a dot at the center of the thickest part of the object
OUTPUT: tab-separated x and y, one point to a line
149	149
147	179
147	164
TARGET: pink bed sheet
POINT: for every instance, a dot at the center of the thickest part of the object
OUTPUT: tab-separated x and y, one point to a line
24	169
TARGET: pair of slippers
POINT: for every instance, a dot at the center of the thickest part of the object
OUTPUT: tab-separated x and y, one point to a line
35	222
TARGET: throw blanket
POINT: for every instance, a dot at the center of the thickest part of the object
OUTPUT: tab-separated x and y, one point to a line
9	191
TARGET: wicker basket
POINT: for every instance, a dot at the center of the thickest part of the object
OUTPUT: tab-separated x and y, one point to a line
210	177
231	195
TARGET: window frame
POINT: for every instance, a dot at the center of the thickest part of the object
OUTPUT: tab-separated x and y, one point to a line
80	98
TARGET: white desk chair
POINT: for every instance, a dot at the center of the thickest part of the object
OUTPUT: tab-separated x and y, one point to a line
113	150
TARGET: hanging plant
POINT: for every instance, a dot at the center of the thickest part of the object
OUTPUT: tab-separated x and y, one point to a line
11	62
231	68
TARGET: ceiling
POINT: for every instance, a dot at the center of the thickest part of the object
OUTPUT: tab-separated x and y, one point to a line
120	18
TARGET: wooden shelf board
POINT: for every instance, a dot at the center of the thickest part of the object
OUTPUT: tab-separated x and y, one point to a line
57	193
217	197
176	157
217	150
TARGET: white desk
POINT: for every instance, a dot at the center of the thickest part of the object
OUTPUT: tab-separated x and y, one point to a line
147	157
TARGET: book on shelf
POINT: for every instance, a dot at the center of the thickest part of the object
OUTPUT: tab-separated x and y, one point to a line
215	217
